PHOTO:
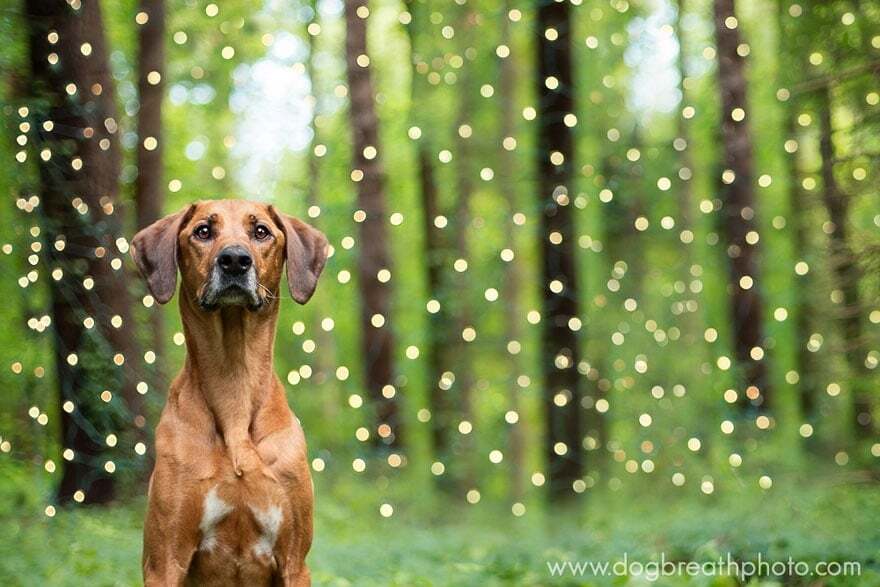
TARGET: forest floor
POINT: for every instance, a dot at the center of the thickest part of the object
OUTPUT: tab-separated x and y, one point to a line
431	543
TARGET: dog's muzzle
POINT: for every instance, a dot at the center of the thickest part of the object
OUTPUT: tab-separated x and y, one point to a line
233	281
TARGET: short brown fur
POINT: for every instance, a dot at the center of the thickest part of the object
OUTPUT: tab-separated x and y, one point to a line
226	426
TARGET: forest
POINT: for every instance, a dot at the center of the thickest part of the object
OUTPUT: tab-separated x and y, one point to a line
604	277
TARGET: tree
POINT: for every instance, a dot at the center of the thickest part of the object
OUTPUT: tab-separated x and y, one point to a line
685	160
843	263
803	308
149	193
800	206
513	281
77	135
840	91
459	361
377	340
738	207
625	246
560	352
439	337
326	349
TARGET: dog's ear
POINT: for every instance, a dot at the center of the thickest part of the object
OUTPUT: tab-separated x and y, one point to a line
154	250
306	254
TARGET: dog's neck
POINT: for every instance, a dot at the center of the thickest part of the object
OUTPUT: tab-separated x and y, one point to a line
229	362
229	341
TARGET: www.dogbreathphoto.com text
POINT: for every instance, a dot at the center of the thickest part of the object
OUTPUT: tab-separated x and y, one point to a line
723	566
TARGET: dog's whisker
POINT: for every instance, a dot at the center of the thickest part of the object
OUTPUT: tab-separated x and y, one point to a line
270	295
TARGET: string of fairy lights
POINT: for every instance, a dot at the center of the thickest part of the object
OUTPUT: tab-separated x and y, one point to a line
640	333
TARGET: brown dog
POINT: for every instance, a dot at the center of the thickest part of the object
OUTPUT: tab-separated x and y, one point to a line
230	497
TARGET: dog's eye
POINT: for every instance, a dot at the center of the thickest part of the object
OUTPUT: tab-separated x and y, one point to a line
202	232
261	232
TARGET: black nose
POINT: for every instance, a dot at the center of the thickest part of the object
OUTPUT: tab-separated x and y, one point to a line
234	260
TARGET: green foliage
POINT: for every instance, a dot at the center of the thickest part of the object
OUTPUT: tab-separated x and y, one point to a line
472	545
655	321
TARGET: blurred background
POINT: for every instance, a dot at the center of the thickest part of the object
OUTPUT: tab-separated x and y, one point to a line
604	276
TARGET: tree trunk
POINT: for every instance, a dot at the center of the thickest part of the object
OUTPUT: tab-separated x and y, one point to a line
685	198
799	205
632	206
77	136
377	341
513	281
441	343
738	210
690	321
560	352
439	400
803	311
325	354
461	351
846	271
149	192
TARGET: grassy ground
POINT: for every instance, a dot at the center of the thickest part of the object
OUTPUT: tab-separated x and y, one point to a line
430	543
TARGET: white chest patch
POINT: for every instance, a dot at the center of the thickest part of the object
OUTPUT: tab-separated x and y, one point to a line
269	521
213	510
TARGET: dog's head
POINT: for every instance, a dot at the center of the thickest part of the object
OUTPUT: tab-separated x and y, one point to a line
230	253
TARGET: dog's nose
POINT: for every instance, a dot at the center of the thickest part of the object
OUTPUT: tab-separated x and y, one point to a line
234	260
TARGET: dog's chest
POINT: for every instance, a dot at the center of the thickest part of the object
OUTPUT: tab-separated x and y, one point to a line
241	525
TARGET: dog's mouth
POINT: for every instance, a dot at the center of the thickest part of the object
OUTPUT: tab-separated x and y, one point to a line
223	291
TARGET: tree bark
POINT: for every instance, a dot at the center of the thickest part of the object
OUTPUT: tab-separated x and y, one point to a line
460	363
441	343
846	271
513	281
560	351
803	311
690	320
149	192
799	205
738	210
439	400
685	198
325	354
77	136
377	342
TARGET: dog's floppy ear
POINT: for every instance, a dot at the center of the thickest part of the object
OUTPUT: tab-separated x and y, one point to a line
306	254
154	250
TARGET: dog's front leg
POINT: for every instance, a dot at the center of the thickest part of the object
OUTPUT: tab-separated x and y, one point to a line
164	574
293	547
170	538
301	579
291	570
164	565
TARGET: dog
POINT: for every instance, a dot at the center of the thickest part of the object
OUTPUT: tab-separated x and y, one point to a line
230	497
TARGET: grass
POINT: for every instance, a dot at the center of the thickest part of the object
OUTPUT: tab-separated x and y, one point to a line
432	542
